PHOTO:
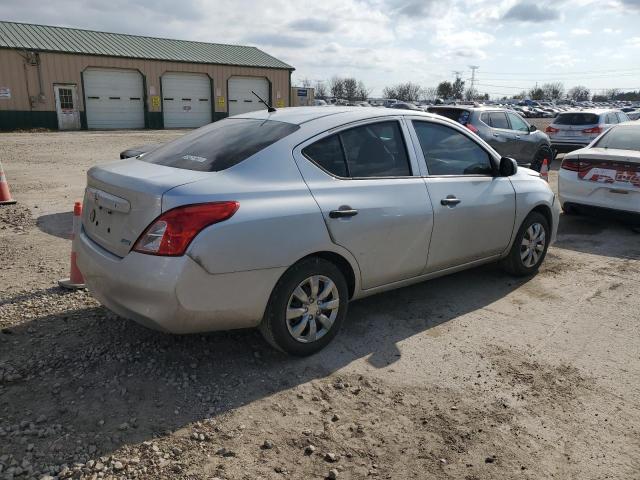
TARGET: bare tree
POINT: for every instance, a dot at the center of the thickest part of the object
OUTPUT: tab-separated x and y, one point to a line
430	94
612	93
445	90
553	91
536	93
471	94
405	92
363	92
320	90
306	83
579	93
350	88
336	87
458	88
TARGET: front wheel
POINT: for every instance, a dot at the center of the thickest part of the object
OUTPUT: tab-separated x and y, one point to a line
530	246
306	308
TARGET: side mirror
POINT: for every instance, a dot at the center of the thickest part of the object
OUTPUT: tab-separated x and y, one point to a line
508	167
532	128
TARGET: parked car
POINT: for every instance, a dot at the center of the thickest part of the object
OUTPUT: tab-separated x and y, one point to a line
136	151
505	131
576	129
404	106
605	174
279	219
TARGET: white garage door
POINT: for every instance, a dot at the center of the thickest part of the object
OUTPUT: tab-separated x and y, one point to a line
113	98
186	100
241	99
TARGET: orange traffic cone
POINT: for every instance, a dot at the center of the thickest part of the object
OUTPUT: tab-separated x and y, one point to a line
544	170
75	280
5	194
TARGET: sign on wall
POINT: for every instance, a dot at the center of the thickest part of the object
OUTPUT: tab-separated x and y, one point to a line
302	92
5	92
155	101
221	102
280	103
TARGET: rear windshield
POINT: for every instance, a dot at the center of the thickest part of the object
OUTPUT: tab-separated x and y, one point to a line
220	145
622	138
576	118
457	114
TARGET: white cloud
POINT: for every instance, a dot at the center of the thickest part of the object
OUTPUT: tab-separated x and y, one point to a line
580	31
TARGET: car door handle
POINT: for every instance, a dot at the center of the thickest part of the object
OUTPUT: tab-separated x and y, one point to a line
496	134
450	201
343	212
517	137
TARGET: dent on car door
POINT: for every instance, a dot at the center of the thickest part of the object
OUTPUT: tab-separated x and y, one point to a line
474	211
373	205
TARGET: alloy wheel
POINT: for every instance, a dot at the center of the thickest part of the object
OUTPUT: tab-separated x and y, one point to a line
532	245
312	308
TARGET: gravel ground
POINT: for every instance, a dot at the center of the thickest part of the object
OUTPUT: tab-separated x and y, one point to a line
472	376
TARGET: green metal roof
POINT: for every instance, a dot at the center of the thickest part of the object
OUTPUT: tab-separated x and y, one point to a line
25	36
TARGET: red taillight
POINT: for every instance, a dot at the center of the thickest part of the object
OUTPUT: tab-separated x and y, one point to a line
471	127
551	129
597	130
172	232
571	165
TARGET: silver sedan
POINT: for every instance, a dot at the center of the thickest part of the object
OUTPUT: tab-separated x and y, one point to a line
278	220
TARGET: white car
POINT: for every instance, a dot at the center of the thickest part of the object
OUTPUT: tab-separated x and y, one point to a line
605	174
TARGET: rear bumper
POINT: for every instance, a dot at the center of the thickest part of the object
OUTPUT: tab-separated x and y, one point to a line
573	191
174	294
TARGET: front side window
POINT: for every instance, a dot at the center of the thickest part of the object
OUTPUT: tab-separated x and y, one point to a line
611	119
449	152
373	150
622	117
220	145
517	123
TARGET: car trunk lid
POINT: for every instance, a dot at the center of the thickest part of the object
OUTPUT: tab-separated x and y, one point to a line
618	169
123	198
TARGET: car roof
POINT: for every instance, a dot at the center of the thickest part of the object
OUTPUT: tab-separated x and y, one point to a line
595	111
300	115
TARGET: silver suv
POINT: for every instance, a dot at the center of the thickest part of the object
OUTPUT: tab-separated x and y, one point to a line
576	129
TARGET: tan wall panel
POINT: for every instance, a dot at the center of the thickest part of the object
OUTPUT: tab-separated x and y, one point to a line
66	68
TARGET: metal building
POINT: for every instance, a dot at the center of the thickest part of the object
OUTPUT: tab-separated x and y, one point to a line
66	78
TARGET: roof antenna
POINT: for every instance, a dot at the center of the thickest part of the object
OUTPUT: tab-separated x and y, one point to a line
270	109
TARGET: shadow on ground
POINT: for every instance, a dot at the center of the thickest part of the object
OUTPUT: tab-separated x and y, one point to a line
606	234
109	382
56	224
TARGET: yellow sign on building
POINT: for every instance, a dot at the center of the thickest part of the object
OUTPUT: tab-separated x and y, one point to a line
221	101
155	101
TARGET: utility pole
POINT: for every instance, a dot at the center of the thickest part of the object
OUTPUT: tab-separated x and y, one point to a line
456	73
473	77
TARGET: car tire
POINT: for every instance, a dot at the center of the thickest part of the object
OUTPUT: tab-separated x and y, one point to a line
542	153
525	259
290	334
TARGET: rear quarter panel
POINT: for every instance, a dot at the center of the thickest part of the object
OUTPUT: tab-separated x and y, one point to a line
278	221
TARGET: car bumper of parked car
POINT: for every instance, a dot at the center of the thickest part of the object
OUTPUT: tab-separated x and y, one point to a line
174	294
573	191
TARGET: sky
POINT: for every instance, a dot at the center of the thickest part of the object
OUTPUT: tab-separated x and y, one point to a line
514	43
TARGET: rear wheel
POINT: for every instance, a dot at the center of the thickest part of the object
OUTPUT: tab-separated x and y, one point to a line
530	246
542	153
306	308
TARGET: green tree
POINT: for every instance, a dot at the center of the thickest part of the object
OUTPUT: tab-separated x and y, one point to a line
445	90
458	88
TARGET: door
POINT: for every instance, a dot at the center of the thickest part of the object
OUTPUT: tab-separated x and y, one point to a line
186	100
501	138
66	97
114	98
474	212
241	100
373	205
526	147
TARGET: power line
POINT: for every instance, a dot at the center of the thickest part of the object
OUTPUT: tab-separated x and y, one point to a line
567	73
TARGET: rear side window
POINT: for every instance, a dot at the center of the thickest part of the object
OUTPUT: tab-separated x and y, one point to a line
373	150
611	119
498	120
456	114
623	138
622	117
220	145
449	152
577	118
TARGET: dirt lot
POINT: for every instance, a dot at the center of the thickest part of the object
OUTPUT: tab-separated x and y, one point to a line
474	376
